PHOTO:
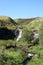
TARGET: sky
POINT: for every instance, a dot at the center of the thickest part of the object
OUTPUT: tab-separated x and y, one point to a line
21	8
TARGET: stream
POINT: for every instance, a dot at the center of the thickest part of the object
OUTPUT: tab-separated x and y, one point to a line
28	54
26	60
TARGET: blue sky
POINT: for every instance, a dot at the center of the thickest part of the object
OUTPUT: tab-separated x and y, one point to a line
21	8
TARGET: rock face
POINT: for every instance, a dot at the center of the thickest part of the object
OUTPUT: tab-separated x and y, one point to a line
35	36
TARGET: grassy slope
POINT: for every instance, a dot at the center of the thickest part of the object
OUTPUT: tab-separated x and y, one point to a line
24	21
27	25
8	22
34	24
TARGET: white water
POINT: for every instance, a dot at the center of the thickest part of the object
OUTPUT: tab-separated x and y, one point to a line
19	35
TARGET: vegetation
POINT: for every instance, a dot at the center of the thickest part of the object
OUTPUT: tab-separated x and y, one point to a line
7	22
16	55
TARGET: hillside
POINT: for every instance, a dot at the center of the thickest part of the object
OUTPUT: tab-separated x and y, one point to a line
17	53
33	23
24	21
8	22
27	26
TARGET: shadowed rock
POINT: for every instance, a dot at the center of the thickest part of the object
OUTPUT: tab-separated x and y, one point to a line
6	34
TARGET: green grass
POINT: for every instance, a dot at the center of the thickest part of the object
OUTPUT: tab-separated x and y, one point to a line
8	22
38	25
36	49
16	56
36	61
34	24
12	57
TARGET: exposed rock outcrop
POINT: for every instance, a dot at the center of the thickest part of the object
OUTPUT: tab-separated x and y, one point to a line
35	36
